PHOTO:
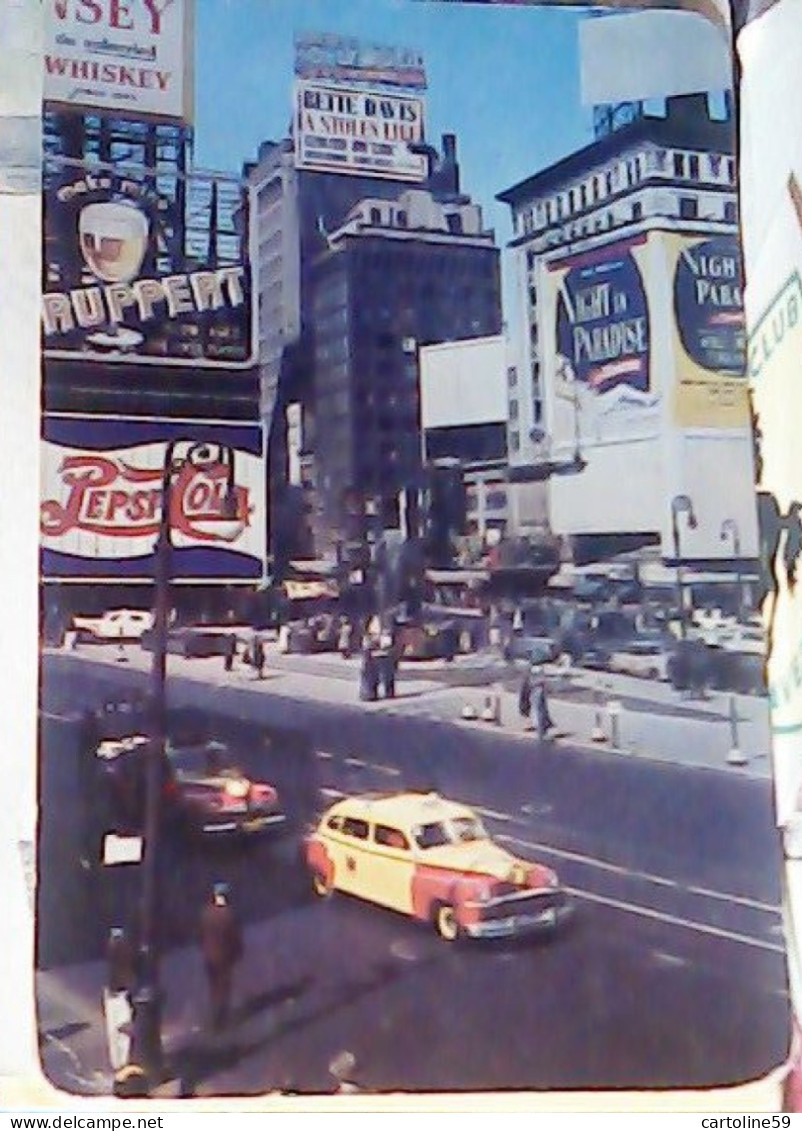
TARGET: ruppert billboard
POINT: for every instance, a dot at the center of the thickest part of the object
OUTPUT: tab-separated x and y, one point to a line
102	491
133	57
124	280
348	130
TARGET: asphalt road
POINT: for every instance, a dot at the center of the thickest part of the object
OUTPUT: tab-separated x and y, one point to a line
671	974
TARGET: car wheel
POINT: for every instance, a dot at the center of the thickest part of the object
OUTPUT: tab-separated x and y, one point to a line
446	923
321	886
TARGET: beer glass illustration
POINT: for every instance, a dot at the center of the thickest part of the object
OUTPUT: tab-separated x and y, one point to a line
113	238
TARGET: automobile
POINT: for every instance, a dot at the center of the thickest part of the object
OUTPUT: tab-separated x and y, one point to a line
431	858
426	641
533	649
192	643
203	790
114	624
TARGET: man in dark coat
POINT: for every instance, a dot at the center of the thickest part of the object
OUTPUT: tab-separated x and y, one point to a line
540	709
259	657
221	947
369	675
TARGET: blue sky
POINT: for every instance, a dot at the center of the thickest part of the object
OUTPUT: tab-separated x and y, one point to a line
504	79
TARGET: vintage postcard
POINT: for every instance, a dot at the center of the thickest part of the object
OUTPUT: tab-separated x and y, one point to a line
404	590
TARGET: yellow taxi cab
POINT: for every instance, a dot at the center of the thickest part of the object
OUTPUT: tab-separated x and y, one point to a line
431	858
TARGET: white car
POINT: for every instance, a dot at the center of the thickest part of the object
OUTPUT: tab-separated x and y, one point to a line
116	624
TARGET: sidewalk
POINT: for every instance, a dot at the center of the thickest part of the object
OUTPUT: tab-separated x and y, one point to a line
72	1025
651	721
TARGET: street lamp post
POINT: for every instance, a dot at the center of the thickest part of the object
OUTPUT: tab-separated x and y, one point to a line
681	504
729	529
146	1053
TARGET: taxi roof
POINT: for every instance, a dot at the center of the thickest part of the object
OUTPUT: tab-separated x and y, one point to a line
404	809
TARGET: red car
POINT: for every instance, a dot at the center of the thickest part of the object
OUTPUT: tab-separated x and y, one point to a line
203	789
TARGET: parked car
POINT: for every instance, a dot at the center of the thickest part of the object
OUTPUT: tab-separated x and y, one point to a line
203	790
697	666
427	641
195	643
115	624
431	859
533	649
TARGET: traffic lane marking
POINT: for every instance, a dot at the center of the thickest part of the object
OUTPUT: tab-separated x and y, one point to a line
330	756
676	920
631	873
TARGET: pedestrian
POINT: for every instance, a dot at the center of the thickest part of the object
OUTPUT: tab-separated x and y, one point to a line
121	962
540	709
344	638
369	675
389	667
120	983
259	657
525	697
231	651
221	948
517	621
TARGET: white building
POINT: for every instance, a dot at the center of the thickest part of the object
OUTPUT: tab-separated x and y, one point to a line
278	261
633	342
468	396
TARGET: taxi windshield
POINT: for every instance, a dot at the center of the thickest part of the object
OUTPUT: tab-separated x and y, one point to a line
460	830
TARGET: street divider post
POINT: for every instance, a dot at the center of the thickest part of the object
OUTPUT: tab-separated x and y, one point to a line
598	733
614	711
491	712
735	756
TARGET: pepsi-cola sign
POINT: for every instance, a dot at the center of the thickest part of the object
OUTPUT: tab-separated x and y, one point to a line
101	509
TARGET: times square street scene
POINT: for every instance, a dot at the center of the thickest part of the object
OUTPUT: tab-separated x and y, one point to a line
403	717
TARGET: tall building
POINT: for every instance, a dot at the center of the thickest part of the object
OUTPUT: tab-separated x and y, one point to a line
147	328
303	219
633	342
396	275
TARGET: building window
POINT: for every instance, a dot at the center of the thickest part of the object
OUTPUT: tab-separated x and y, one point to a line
402	219
513	410
583	196
454	221
679	164
515	441
608	183
730	167
537	411
688	207
531	259
548	212
375	216
637	210
693	167
730	212
512	377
